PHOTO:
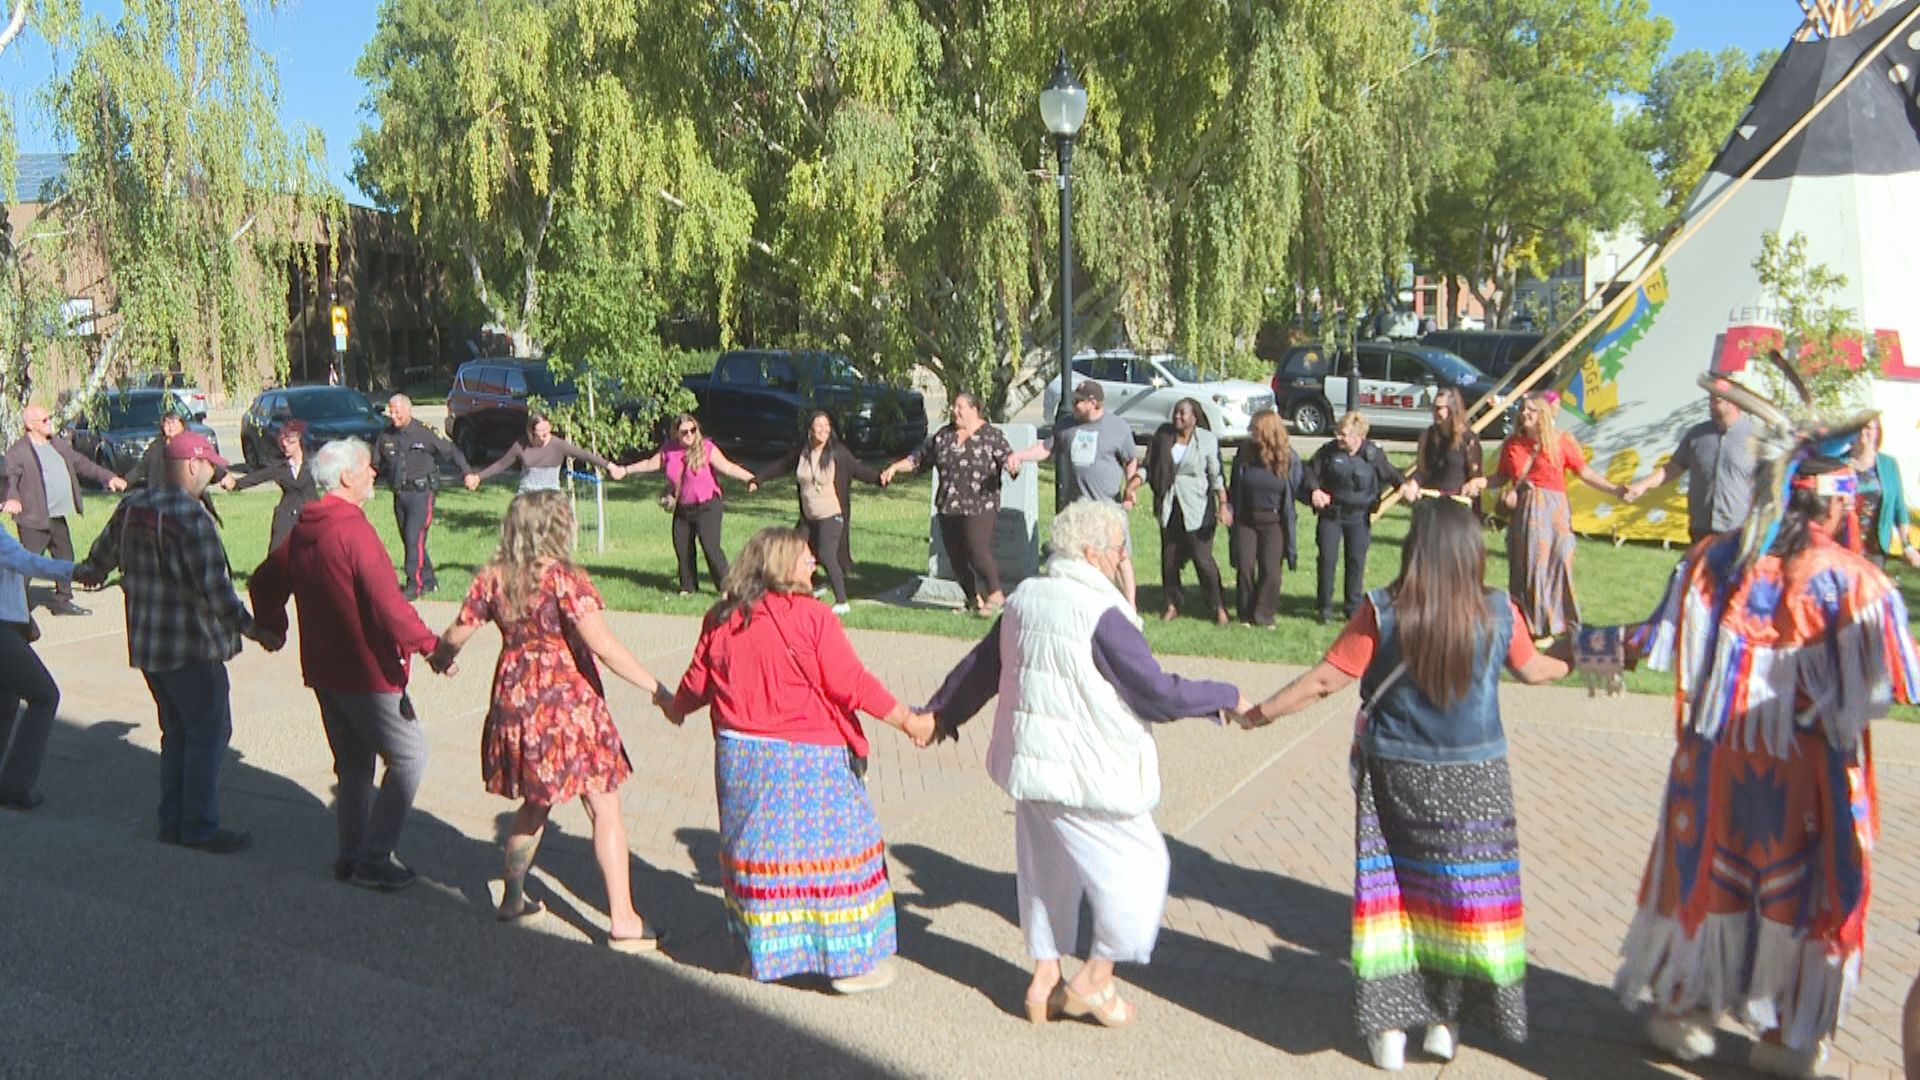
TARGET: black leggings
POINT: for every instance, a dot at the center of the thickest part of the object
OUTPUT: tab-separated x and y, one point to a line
1178	544
969	541
823	536
702	520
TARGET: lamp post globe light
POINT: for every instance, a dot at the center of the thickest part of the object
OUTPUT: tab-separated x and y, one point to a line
1063	107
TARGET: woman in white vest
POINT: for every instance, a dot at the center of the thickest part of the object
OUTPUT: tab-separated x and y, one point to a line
1078	688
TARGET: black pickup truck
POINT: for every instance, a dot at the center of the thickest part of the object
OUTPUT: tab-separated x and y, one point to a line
758	400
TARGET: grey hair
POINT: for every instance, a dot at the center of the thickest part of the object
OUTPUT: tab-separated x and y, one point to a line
1089	523
335	458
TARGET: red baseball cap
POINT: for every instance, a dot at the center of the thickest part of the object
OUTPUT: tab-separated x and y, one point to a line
193	446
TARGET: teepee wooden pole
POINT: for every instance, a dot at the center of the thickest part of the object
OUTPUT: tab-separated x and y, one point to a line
1690	228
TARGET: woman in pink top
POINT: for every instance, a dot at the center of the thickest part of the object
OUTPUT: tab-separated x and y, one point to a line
1536	460
692	466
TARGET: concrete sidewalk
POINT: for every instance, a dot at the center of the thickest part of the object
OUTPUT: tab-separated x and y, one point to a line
124	956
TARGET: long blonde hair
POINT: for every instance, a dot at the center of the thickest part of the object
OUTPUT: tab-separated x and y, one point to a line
536	533
763	567
1269	436
1546	435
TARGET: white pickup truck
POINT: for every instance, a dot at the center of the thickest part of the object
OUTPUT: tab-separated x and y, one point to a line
1144	388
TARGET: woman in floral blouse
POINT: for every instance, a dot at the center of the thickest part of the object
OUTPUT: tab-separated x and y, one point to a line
970	454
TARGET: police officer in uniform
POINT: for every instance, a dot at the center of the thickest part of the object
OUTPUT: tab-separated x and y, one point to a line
408	454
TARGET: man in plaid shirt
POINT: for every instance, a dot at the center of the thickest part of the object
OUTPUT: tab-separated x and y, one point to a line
184	622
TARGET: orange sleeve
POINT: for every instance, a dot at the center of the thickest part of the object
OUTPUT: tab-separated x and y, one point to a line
1520	650
1572	454
1352	651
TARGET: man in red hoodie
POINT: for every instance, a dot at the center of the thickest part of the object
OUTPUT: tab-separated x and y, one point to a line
357	633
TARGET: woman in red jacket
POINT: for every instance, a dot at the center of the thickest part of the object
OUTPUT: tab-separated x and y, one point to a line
801	860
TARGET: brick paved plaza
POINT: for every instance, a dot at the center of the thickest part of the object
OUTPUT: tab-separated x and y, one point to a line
1251	973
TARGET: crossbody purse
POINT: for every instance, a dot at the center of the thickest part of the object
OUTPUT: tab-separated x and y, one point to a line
816	679
1361	717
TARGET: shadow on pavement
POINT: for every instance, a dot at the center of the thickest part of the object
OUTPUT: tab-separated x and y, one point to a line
142	957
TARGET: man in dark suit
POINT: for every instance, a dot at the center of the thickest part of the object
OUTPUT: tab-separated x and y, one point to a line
43	488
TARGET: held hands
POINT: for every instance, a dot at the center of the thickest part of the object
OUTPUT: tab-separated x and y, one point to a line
1321	500
11	506
229	482
472	480
1410	491
753	486
663	700
1472	488
1226	514
886	474
270	640
920	728
116	484
1013	467
618	472
441	658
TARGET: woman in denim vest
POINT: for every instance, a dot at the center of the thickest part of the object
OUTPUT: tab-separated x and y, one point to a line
1437	931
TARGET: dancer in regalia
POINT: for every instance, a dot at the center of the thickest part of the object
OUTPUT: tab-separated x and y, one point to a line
1784	642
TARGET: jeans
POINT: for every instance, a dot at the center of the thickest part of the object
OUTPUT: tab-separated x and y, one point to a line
361	727
823	536
23	678
700	520
196	720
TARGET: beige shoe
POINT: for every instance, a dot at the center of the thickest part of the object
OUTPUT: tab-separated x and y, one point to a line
878	977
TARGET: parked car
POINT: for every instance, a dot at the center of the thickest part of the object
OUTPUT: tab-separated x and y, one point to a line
1397	384
179	382
331	412
125	423
1144	389
487	407
758	400
1492	351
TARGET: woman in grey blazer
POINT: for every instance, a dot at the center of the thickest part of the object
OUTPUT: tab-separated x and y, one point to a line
1189	500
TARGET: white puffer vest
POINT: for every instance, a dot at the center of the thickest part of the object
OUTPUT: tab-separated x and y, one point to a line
1061	734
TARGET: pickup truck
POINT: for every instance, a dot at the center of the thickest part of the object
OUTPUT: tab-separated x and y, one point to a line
758	400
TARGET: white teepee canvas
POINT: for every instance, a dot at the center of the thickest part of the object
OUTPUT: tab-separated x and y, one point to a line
1850	183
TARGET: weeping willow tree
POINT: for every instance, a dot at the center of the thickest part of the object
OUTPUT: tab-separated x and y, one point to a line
547	150
183	198
872	176
1232	154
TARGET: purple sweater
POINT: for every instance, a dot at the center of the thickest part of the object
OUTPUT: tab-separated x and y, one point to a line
1120	654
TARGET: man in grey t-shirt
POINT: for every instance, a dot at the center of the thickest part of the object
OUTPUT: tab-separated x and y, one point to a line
1098	460
1717	457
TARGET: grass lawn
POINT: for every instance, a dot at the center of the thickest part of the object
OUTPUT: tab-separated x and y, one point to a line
636	572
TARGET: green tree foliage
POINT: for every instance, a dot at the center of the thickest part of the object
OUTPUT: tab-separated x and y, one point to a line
182	189
1533	160
550	149
1823	342
1691	107
871	176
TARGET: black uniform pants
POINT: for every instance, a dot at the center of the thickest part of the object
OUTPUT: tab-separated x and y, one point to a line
1357	533
823	536
54	541
969	542
1259	558
413	513
701	520
1179	545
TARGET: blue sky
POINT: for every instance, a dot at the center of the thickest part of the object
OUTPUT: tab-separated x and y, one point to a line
317	42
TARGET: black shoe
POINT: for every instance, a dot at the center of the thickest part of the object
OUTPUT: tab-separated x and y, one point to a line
222	842
1326	618
21	800
67	607
387	875
342	869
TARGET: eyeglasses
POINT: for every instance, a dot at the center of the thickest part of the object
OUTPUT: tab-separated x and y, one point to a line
688	431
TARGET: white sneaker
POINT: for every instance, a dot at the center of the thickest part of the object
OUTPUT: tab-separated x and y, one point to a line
1389	1049
1684	1039
1776	1060
1441	1042
842	609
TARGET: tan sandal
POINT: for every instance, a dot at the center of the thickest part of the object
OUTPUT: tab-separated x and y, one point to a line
1104	1006
1039	1012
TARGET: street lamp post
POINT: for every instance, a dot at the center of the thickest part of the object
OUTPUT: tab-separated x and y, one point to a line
1063	107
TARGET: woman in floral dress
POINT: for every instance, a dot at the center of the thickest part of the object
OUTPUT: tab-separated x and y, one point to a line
549	737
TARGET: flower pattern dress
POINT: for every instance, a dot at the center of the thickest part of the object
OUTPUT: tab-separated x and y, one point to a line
549	737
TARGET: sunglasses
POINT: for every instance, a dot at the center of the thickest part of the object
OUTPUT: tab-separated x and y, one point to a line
688	431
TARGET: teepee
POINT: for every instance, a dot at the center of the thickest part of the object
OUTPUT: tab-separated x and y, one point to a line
1850	182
